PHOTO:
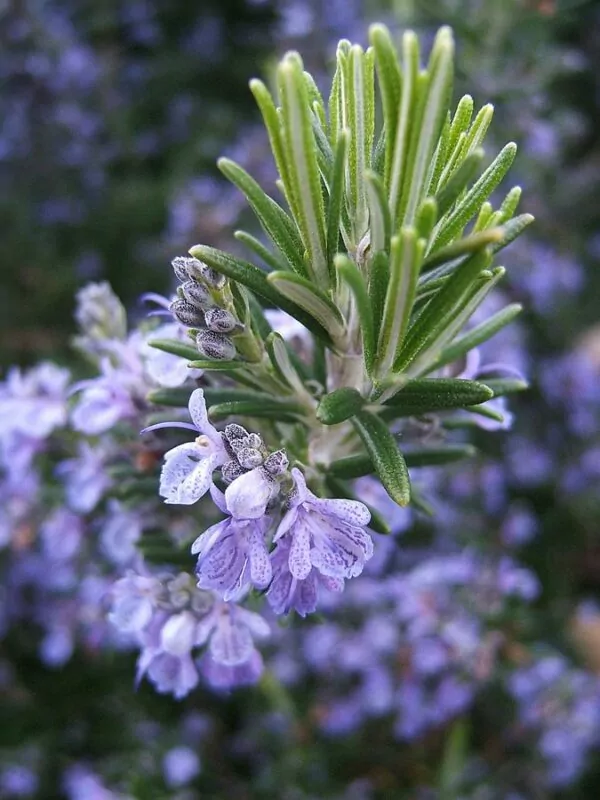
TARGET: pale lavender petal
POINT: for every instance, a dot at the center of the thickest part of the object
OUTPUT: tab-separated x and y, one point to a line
280	590
206	539
332	584
186	474
224	677
178	634
222	567
198	412
248	495
286	523
336	556
351	511
230	644
300	553
218	498
260	565
257	625
305	598
204	628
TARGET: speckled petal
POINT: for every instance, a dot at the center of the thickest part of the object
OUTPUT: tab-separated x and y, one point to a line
352	512
222	566
299	560
260	565
305	596
230	644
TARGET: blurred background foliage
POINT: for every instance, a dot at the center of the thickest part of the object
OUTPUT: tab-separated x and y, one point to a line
111	117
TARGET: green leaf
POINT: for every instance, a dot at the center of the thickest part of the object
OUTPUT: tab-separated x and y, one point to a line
441	309
502	386
408	102
464	247
470	204
282	364
427	216
512	229
272	260
379	213
477	335
273	125
390	86
509	204
350	273
339	405
405	261
425	137
301	150
255	279
175	348
478	130
449	191
361	121
471	300
310	298
275	410
336	195
424	395
275	222
358	465
178	397
229	394
387	459
461	120
218	366
379	278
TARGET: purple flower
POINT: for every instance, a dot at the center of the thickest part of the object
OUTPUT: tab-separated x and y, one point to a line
85	477
232	555
187	472
327	535
287	592
104	401
230	631
163	368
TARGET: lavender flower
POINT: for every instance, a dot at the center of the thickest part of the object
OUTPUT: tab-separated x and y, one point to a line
187	471
232	555
325	535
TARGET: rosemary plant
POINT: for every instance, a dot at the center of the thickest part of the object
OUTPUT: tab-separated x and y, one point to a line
382	246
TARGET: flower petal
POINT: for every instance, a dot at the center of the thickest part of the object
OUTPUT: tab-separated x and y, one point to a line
248	495
300	553
230	644
260	566
352	512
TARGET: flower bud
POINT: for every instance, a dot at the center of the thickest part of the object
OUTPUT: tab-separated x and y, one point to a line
249	457
186	313
220	321
215	345
233	432
203	272
230	471
277	463
198	295
184	267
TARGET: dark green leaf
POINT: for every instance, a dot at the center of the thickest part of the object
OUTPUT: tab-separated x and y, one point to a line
437	394
387	459
339	405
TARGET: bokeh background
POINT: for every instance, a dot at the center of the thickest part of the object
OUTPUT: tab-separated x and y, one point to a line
112	115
